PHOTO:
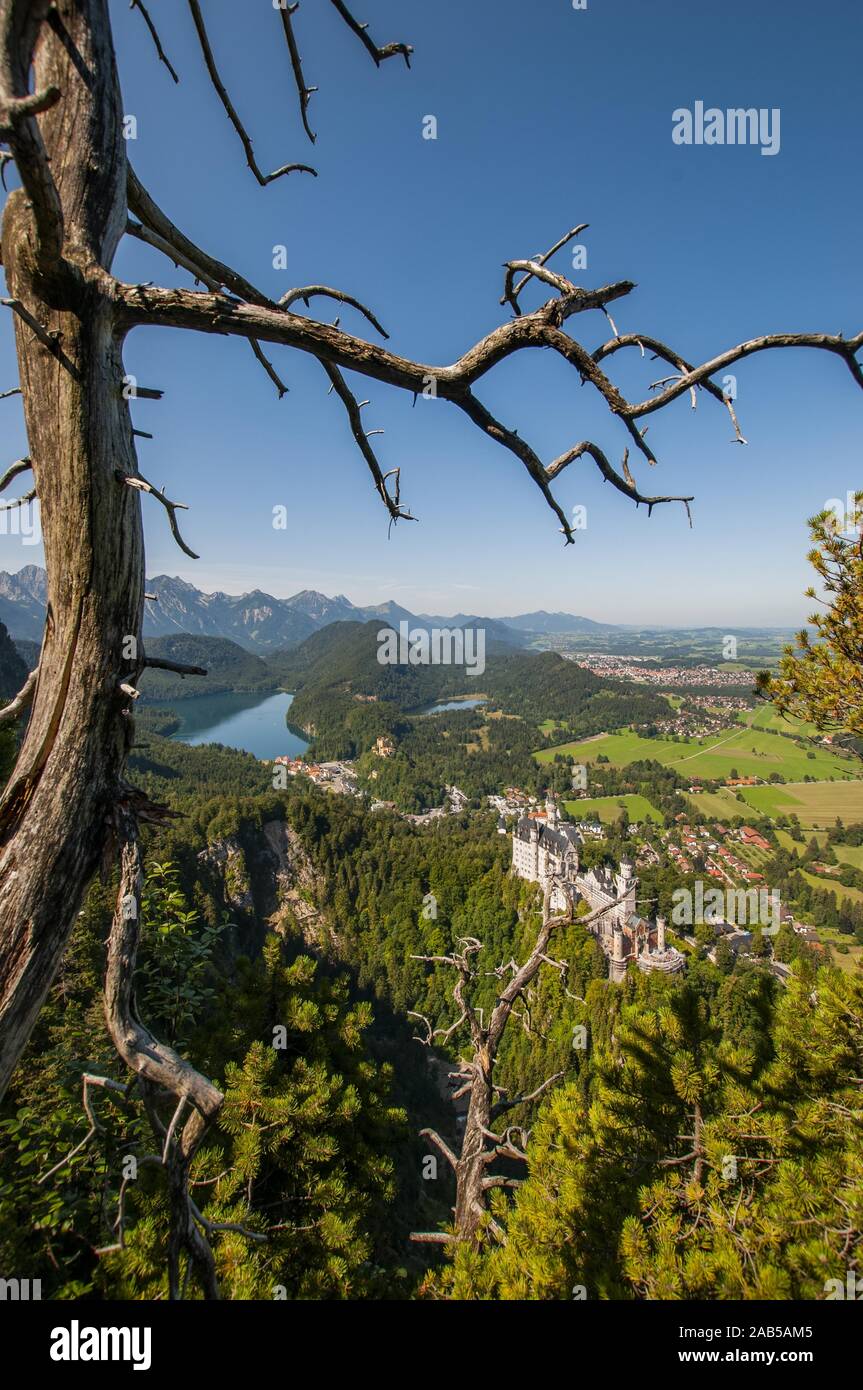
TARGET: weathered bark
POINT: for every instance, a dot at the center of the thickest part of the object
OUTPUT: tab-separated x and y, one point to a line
159	1068
54	812
481	1146
473	1160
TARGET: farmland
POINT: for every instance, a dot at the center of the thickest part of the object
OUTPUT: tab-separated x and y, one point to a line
608	808
749	751
815	804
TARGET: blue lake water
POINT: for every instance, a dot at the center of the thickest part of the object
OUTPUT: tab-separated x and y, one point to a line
453	704
254	723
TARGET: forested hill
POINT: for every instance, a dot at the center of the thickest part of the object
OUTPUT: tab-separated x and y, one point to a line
228	667
346	697
13	671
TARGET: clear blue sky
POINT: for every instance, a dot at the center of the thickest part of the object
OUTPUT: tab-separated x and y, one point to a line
547	117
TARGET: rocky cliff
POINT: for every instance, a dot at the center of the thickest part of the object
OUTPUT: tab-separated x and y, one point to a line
265	879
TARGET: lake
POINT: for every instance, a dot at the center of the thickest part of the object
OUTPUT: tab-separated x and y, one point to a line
254	723
453	704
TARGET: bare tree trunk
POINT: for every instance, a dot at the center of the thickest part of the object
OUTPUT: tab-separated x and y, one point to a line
481	1146
472	1167
55	812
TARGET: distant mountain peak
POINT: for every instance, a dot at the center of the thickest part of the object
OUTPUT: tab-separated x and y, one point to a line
257	620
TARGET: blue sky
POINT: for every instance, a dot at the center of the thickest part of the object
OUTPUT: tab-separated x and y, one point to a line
547	117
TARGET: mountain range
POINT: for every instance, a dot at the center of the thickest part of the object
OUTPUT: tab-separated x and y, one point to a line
263	624
259	622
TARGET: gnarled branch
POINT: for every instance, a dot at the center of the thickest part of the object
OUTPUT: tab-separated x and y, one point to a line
135	480
379	55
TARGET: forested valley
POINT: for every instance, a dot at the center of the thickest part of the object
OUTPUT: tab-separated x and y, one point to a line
701	1141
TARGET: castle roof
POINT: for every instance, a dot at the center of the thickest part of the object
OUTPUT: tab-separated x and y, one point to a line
557	839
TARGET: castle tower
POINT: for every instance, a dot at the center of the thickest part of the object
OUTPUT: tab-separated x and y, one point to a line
625	884
617	967
660	933
552	814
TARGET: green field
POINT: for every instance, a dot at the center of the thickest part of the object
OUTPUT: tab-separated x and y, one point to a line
766	717
815	804
849	854
838	890
720	805
845	854
608	808
749	751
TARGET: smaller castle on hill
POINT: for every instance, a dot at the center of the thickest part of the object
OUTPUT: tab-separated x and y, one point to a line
545	850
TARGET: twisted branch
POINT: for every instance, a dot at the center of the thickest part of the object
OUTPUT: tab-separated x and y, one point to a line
157	1065
135	480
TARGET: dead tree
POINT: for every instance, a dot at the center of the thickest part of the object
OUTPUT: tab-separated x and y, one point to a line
482	1144
66	808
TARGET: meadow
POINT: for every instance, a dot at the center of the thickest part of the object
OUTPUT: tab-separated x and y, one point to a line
815	804
747	750
608	808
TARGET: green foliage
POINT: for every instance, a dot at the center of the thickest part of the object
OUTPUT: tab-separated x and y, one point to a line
821	681
710	1151
229	667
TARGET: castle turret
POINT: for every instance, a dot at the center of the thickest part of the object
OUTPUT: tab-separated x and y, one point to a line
617	964
660	933
625	883
552	815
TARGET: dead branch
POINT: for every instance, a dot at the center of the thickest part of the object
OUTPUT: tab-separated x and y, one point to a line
88	1080
441	1146
542	328
156	1063
306	292
674	359
157	230
135	480
349	401
202	265
512	292
139	5
625	485
48	339
22	701
502	1106
157	663
379	55
304	91
230	110
444	1033
19	501
14	471
211	1226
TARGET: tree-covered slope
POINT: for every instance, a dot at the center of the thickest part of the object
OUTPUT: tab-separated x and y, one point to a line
229	668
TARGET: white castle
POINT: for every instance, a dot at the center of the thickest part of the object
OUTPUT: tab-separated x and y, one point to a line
545	850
